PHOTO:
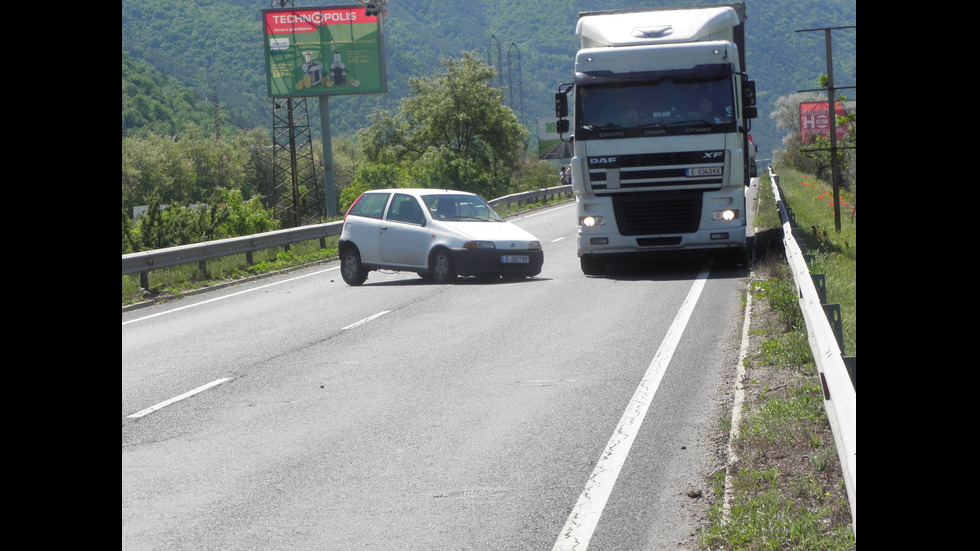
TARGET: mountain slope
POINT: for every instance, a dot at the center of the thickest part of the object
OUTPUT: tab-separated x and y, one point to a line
215	47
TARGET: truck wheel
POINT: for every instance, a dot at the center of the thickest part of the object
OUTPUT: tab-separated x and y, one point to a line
592	265
351	269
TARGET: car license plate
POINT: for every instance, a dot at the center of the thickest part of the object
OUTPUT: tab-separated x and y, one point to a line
515	259
705	171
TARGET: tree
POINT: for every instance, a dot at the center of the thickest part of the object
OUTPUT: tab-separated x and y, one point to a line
453	131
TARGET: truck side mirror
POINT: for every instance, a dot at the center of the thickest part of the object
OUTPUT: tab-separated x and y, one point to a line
561	105
561	125
748	93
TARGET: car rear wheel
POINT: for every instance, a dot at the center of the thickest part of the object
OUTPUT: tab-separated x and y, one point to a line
442	267
351	269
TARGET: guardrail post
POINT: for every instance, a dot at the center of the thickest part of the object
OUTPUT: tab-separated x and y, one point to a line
820	283
850	362
144	280
832	311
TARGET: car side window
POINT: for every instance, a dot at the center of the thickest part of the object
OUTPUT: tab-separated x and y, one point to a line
370	205
404	208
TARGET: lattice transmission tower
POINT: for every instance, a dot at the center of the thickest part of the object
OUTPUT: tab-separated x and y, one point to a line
296	189
493	60
515	84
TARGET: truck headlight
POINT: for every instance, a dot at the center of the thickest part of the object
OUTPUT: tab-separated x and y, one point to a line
728	214
590	221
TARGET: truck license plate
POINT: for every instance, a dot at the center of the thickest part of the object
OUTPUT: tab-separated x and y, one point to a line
515	259
704	171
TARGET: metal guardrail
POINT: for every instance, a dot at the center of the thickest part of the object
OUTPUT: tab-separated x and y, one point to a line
157	259
840	396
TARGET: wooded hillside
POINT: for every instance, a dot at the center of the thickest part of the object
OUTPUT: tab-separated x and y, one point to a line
213	48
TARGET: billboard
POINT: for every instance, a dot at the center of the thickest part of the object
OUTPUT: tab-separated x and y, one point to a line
333	50
550	145
815	120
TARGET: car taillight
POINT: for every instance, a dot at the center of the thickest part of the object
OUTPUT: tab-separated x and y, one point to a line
351	208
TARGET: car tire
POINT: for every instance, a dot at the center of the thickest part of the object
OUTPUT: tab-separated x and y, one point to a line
441	267
351	268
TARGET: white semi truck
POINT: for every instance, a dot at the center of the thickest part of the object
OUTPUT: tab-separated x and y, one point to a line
662	106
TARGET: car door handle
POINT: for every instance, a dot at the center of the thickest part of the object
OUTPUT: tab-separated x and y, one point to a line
383	228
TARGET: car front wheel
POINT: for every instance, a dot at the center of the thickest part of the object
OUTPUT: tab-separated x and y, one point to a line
442	267
351	269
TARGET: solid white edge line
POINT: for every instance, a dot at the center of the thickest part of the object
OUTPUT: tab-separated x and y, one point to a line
737	406
187	394
584	518
228	296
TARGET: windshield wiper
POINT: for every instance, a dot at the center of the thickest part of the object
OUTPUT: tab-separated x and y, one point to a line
648	125
607	126
692	122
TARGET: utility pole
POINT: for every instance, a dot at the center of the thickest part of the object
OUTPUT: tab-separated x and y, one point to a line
832	108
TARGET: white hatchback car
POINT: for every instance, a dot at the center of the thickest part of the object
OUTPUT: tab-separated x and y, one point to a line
438	234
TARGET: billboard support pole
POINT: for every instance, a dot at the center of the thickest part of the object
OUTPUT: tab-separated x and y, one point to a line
328	183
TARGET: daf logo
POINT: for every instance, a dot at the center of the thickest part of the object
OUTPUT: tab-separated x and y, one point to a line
713	154
602	160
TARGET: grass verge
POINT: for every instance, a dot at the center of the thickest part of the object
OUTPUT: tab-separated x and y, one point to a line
787	490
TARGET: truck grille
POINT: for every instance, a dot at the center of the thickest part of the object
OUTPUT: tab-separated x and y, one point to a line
655	170
657	212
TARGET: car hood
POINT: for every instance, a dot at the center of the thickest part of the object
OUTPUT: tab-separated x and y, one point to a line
491	231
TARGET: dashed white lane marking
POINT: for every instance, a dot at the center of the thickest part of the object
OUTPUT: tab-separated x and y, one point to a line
187	394
584	517
365	320
202	388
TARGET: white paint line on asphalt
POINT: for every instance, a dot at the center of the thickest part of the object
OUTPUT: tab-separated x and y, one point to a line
584	517
737	406
538	212
365	320
187	394
228	296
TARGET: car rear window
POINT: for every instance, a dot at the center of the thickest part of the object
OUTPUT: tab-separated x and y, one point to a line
370	205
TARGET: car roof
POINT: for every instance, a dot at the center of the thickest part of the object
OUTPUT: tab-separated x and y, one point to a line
420	191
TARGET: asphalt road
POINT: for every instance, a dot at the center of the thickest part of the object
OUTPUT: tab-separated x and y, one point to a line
300	413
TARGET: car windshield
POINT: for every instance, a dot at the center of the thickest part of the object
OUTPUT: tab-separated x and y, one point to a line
460	208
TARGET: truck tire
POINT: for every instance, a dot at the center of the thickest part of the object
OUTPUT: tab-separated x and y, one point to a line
592	265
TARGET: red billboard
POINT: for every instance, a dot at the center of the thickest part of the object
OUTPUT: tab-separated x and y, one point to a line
815	120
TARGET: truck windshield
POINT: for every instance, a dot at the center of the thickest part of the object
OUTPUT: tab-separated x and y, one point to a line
645	109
